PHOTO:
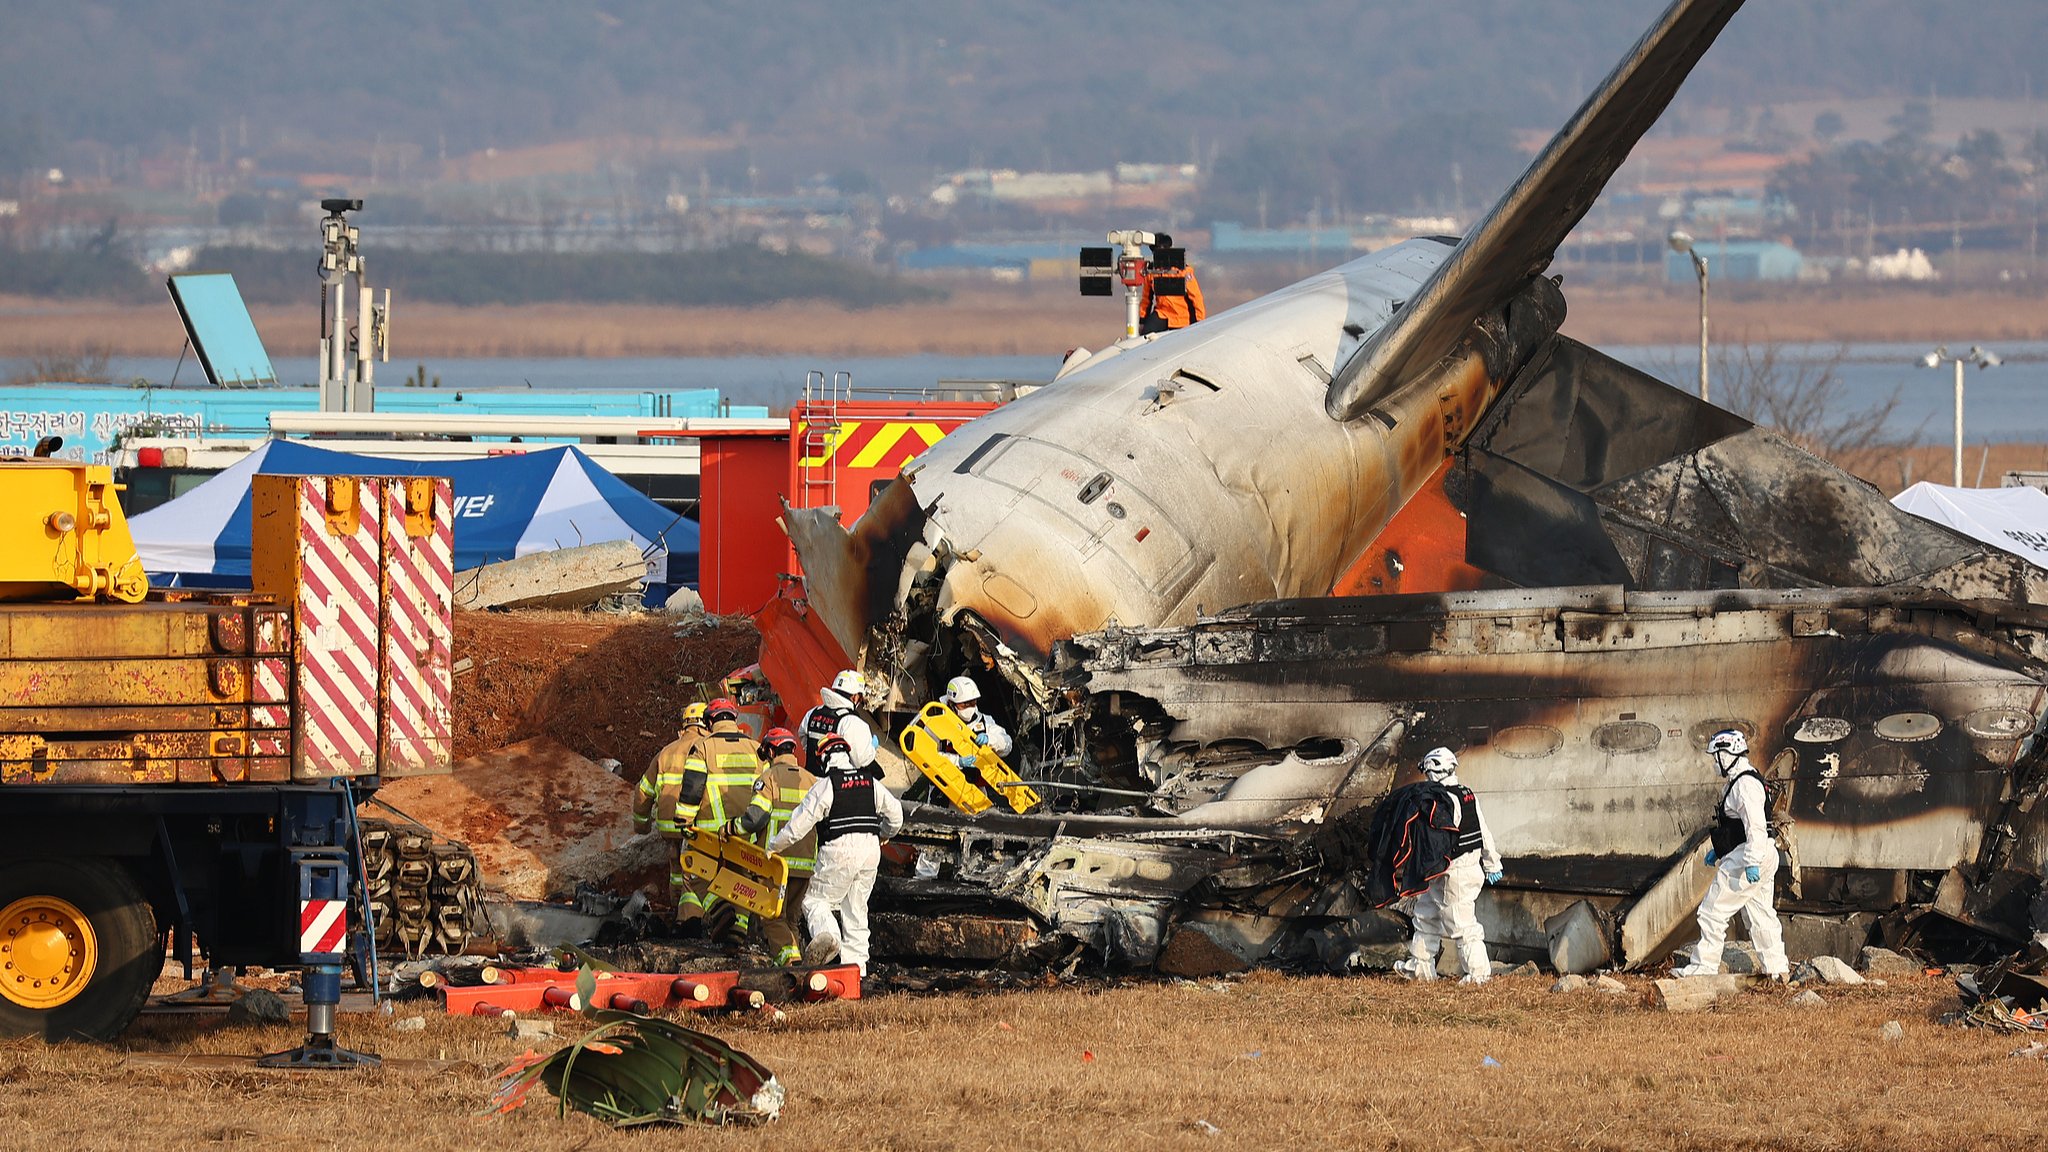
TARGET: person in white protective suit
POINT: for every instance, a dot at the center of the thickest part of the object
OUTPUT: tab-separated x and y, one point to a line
1448	907
1745	861
964	697
838	711
853	813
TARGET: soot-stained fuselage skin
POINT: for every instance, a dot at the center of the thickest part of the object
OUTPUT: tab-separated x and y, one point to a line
1199	470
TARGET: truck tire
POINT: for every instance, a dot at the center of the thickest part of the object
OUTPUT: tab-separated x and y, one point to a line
79	948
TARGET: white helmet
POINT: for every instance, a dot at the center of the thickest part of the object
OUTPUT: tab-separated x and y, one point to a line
850	683
1726	747
962	690
1440	764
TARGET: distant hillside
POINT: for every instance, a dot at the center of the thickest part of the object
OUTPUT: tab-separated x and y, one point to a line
896	84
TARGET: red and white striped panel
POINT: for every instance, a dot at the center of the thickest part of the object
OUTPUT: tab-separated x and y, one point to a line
419	584
270	693
323	924
338	632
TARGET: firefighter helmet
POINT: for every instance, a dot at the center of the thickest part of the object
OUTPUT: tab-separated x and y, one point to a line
962	690
779	741
721	709
850	683
1439	763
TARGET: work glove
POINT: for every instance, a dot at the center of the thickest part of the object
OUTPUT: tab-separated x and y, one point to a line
1752	874
1493	877
1711	857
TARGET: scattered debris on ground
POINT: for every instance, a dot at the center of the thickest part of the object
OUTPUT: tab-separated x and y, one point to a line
633	1070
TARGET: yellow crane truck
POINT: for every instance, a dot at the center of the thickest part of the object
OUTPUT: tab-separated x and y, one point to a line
179	770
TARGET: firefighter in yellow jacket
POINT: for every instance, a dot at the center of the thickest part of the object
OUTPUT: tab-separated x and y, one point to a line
717	788
778	790
654	804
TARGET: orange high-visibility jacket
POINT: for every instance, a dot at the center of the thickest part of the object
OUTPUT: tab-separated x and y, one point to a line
1177	311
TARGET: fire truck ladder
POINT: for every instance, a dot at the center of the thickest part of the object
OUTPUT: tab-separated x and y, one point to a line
817	462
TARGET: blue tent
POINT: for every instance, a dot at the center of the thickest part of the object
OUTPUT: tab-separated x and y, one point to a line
505	506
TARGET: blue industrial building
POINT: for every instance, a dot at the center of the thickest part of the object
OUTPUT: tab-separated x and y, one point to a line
1734	261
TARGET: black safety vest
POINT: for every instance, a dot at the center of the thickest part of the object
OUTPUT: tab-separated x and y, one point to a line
821	722
1469	838
1729	834
853	806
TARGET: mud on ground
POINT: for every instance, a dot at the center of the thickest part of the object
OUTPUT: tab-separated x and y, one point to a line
1268	1061
603	686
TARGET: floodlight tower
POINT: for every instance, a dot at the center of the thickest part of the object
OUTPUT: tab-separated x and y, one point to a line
1983	358
347	383
1123	260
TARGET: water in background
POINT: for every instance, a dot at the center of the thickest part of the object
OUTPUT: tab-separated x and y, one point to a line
2007	404
2003	405
775	381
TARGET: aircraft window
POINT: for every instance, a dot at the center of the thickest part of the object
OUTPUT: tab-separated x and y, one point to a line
1998	723
1094	488
1528	741
1823	730
1908	727
1626	736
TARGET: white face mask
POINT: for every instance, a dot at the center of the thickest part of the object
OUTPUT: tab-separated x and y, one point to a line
967	712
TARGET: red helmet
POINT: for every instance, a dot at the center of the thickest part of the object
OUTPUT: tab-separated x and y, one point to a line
833	742
779	740
721	709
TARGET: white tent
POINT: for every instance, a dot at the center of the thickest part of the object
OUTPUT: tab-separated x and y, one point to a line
2012	519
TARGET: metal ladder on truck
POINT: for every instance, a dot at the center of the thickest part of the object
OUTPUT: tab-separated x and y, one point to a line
817	459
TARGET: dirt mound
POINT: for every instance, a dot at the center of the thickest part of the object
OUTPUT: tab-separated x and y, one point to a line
602	686
539	817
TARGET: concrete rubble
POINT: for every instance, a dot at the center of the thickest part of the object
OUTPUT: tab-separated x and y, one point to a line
1609	985
1695	993
1885	962
559	578
519	1029
1570	982
1808	998
1835	970
1893	1032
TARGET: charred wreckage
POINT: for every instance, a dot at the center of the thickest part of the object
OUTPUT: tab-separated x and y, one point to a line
1573	575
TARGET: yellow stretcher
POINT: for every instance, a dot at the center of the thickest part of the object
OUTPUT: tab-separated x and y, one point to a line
739	870
936	736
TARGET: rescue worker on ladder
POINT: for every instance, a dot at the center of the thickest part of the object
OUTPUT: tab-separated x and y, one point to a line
964	697
1745	861
1448	907
654	806
838	713
1165	311
852	814
779	789
717	785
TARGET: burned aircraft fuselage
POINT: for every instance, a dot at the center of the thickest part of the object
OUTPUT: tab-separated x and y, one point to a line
1904	729
1657	569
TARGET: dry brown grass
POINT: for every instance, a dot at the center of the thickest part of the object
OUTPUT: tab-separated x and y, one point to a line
1273	1062
1037	320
